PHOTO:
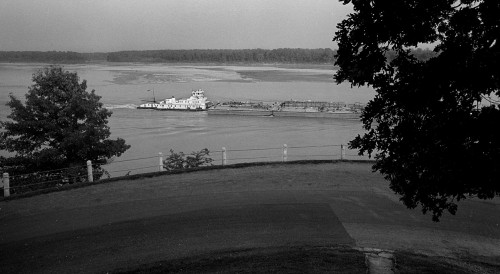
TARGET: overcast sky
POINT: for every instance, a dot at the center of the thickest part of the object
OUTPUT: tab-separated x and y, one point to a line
112	25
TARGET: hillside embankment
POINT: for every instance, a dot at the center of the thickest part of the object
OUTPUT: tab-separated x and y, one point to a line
123	224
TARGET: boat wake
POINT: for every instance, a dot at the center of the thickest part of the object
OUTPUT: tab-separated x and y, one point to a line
111	106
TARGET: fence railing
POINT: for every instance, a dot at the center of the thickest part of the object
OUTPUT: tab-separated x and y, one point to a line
22	183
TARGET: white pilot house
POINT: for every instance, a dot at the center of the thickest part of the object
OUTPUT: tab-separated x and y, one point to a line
197	101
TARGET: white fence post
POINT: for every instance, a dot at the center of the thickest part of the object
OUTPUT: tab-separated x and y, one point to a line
6	185
224	156
285	153
160	156
90	176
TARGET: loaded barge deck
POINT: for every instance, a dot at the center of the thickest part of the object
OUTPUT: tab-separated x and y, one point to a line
272	113
313	109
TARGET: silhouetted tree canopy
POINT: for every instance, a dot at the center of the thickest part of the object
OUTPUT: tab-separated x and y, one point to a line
432	126
60	125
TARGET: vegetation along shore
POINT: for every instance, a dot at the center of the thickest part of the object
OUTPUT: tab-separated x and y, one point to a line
282	55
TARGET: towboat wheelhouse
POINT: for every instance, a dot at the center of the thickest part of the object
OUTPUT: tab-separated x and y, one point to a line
197	101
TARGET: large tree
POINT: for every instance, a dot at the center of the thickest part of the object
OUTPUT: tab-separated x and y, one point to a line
433	126
59	125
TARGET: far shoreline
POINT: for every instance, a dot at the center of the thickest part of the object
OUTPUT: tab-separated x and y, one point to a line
324	66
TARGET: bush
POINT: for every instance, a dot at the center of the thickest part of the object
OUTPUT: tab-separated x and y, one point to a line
176	161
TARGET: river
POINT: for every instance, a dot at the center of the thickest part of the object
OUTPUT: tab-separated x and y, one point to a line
124	86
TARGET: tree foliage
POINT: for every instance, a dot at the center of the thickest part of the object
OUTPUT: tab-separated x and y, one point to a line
60	125
51	56
282	55
176	161
432	137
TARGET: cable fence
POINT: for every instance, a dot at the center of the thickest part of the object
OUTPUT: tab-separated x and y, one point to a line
92	172
28	182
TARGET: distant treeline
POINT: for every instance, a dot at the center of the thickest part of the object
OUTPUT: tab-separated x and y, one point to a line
51	56
284	55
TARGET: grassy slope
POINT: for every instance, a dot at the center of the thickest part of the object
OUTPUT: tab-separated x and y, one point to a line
266	260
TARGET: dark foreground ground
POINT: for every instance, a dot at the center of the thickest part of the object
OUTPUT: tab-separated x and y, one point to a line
282	218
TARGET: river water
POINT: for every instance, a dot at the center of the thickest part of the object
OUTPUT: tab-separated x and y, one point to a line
124	86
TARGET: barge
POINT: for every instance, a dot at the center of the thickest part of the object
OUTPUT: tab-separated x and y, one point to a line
313	109
273	113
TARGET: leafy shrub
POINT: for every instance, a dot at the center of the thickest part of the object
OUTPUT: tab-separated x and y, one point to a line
176	161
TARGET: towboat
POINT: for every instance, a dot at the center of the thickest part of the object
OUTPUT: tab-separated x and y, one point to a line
197	102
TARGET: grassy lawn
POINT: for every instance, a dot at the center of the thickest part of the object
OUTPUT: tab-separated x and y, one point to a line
265	260
306	260
409	263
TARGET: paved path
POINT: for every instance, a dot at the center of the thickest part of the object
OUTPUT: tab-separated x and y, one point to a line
125	223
